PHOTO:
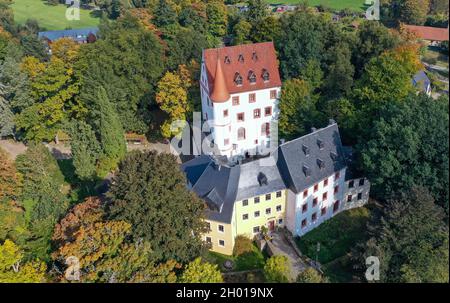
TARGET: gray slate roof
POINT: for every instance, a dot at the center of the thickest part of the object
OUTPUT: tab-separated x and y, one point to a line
76	34
421	78
221	185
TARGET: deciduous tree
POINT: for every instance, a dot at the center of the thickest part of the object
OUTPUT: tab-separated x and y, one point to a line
201	272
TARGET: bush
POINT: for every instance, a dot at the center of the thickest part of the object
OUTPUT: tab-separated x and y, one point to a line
277	269
242	245
310	275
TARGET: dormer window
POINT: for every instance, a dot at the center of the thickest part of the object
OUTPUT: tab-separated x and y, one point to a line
265	75
254	56
333	156
320	163
305	150
251	77
320	144
306	171
227	60
238	79
241	58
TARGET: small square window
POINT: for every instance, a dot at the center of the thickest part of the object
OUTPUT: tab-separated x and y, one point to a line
268	211
304	222
305	193
235	100
256	214
245	217
314	217
349	198
240	117
256	113
244	202
324	196
280	221
361	182
268	111
225	113
278	194
208	240
325	182
273	94
323	211
351	184
268	197
256	200
220	228
278	208
304	208
252	97
226	141
316	187
256	229
315	201
221	243
359	196
336	189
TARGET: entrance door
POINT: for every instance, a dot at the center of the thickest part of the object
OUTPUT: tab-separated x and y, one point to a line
272	225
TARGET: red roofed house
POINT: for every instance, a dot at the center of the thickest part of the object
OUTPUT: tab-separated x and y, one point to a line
433	34
240	87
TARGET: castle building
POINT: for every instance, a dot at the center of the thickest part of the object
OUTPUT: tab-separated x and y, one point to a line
298	185
240	86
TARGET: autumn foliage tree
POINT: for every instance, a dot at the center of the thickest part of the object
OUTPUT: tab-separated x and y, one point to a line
199	271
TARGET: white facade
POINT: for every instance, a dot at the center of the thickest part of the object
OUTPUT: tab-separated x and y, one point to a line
243	122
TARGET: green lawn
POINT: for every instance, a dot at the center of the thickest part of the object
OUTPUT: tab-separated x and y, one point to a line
50	17
357	5
254	260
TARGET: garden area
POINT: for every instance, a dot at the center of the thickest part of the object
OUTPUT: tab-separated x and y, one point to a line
336	237
51	17
356	5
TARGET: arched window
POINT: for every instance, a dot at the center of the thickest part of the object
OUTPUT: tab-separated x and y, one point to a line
237	79
251	77
265	129
241	133
265	75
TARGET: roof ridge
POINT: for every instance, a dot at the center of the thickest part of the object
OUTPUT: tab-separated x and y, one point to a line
312	133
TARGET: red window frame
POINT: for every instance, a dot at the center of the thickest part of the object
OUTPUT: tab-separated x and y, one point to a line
323	211
316	187
273	94
325	182
305	193
257	113
325	196
226	141
252	98
336	189
304	223
304	208
235	100
314	217
225	113
268	111
336	206
240	117
315	201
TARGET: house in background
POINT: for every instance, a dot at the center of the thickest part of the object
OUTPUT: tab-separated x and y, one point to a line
434	35
422	82
82	35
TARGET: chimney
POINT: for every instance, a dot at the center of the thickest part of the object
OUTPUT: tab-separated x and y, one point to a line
331	122
313	129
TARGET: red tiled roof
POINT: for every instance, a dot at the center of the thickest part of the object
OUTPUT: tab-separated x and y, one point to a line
429	33
265	59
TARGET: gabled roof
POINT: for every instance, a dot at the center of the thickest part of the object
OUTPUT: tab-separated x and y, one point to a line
243	59
222	185
429	33
76	34
421	78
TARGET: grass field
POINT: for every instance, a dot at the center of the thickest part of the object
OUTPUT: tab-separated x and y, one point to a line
50	17
357	5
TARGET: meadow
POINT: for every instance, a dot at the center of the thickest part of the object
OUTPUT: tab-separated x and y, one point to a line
357	5
51	17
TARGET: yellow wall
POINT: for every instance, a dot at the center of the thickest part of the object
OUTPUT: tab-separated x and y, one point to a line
216	235
245	227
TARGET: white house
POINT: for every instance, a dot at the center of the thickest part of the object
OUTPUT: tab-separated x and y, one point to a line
240	87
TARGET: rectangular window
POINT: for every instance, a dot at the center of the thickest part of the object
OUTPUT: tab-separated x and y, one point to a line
324	196
304	222
351	184
240	117
273	94
336	189
325	182
359	196
252	97
268	111
336	206
268	197
304	208
220	228
221	243
256	200
256	229
244	202
208	240
278	208
268	211
315	201
361	182
314	217
323	211
225	113
278	194
226	141
305	193
244	216
256	214
316	187
208	226
256	113
337	175
235	100
349	198
280	221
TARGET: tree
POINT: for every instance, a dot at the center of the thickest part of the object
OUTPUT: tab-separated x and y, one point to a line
6	116
164	13
277	269
33	47
339	78
298	111
257	11
310	275
267	29
413	11
241	32
65	49
216	13
201	272
242	245
9	181
85	148
13	269
408	146
149	192
410	239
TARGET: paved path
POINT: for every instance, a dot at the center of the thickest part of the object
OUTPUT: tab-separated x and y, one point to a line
13	148
280	246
